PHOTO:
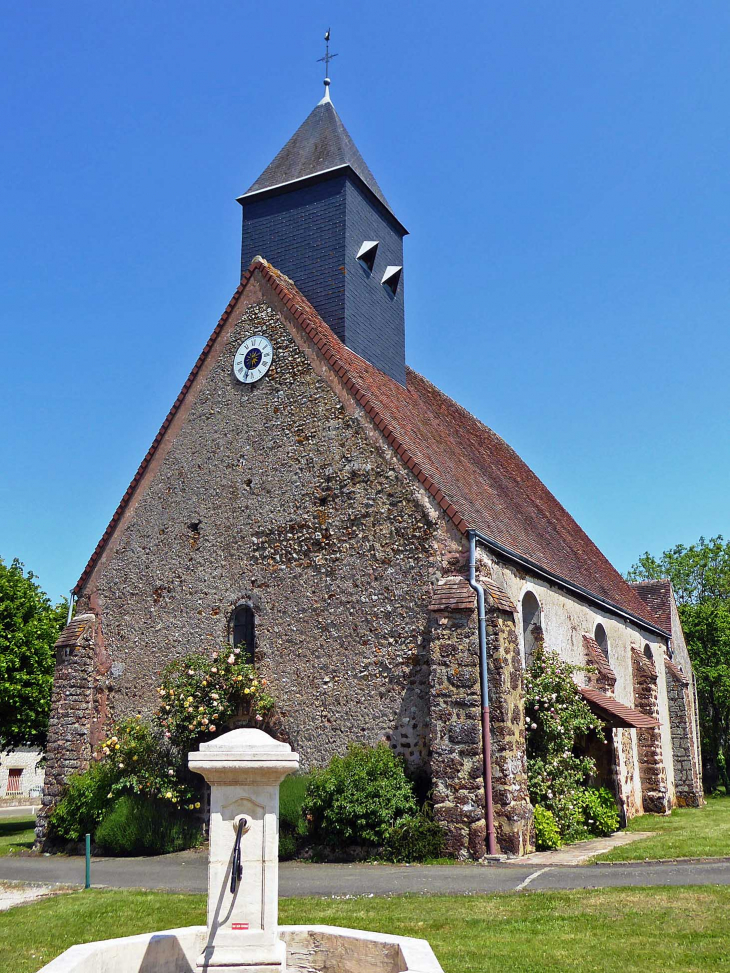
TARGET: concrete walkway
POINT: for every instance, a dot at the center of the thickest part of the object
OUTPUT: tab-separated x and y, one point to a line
187	871
581	851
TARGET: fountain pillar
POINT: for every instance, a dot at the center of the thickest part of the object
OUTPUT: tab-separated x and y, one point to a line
244	769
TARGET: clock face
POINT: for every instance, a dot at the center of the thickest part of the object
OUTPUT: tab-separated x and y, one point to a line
253	359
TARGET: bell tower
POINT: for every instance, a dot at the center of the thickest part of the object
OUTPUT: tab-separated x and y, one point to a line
318	215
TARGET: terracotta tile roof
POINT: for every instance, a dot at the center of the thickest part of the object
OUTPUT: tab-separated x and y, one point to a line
72	634
614	713
498	595
596	658
643	663
452	594
474	476
676	671
658	596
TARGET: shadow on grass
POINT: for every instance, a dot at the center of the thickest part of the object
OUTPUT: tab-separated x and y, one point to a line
16	834
10	828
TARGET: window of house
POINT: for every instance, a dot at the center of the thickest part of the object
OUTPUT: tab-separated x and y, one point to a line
243	630
14	780
648	653
601	638
531	626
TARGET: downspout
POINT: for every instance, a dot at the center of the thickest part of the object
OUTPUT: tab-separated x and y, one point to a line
484	685
70	607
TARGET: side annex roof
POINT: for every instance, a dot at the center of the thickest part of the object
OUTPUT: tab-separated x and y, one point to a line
474	476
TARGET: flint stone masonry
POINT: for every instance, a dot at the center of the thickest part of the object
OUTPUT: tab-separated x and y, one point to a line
285	496
276	494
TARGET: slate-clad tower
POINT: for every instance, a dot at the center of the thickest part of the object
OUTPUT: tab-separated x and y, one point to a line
317	213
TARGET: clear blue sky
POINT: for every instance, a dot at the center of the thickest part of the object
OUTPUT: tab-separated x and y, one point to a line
563	170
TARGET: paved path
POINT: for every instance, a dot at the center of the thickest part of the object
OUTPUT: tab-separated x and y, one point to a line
187	871
581	851
26	811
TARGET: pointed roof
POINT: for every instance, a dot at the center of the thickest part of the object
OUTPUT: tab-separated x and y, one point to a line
319	145
472	474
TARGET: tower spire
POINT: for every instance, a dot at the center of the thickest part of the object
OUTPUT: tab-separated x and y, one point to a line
327	58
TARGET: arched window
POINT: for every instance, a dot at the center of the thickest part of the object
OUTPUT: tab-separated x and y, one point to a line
601	638
531	626
648	653
243	630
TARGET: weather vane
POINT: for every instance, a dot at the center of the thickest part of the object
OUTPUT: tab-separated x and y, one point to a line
327	58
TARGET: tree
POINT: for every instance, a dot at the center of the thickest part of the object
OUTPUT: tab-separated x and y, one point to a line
29	626
700	576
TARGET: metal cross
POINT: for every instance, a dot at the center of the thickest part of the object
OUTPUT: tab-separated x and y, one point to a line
327	57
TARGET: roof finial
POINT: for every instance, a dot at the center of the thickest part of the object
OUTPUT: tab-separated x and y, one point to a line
327	58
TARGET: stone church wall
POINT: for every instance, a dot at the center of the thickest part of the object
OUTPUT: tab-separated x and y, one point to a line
274	494
565	619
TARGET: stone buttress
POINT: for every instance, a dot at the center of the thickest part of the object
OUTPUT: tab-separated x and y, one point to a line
74	711
654	790
687	775
456	739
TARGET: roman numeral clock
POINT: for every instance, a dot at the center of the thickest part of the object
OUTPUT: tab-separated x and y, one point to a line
253	359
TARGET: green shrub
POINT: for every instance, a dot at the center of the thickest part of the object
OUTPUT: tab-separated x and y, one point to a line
292	823
288	846
358	798
547	836
84	803
600	814
139	826
415	839
292	794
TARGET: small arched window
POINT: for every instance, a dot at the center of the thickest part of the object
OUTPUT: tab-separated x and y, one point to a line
531	626
601	638
648	653
243	630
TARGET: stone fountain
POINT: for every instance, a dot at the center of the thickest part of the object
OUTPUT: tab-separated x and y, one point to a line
244	769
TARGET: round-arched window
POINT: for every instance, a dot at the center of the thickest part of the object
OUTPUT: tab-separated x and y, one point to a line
648	653
243	631
601	639
531	626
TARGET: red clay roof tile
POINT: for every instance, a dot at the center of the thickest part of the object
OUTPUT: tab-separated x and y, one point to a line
615	713
453	455
452	594
676	671
658	596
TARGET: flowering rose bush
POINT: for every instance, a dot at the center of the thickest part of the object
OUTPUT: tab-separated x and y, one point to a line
142	761
199	695
557	720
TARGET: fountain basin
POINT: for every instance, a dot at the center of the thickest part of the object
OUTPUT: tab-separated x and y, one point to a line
309	949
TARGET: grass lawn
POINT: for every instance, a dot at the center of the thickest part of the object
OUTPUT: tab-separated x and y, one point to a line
702	832
601	931
16	833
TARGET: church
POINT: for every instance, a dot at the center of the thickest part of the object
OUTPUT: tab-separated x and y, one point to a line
389	562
